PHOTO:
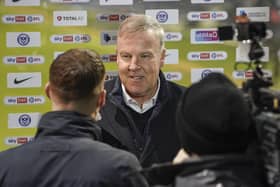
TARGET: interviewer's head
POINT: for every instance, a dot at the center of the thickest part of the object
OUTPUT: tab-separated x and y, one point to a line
213	117
76	80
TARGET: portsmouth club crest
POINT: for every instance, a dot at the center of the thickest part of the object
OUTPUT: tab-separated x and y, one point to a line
23	39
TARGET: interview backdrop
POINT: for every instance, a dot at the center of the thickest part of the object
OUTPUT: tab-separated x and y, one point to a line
34	32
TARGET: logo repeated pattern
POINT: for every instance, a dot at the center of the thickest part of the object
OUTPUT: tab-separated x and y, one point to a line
42	30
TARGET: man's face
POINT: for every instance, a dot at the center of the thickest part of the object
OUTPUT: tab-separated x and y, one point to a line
139	59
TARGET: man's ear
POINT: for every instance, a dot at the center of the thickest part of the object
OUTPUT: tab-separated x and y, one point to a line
101	99
162	57
47	90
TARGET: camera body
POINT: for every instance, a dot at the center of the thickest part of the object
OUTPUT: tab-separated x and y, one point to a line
263	101
268	130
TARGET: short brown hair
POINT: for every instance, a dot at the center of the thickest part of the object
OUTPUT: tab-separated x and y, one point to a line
76	73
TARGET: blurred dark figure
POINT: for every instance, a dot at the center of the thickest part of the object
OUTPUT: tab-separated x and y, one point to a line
217	135
65	151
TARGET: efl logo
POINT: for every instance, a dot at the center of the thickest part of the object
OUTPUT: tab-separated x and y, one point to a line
23	100
109	58
69	1
207	55
18	140
116	2
23	39
206	1
172	36
199	73
24	80
23	59
22	19
172	56
70	18
207	15
111	75
164	16
258	14
70	38
173	76
22	2
108	37
112	17
23	120
204	36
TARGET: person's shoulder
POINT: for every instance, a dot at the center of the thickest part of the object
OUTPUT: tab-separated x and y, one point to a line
175	87
116	154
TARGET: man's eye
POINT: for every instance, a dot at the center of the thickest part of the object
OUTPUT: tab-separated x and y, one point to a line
126	56
146	56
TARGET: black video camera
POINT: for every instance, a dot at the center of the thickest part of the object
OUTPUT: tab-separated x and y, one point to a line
263	101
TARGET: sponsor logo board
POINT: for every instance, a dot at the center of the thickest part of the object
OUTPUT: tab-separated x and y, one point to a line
69	1
207	55
172	36
172	56
205	36
108	37
24	80
70	38
70	18
23	59
24	100
18	140
173	76
23	39
164	16
116	2
199	73
257	14
22	19
22	2
207	15
206	1
23	120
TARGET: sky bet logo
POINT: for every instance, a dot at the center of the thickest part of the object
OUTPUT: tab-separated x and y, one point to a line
112	17
207	55
70	38
204	36
19	140
22	19
109	57
23	60
23	100
207	15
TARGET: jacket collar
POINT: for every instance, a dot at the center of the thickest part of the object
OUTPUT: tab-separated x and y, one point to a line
162	94
67	123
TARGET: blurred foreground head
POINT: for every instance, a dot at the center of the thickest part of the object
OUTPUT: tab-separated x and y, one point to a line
76	74
76	82
213	117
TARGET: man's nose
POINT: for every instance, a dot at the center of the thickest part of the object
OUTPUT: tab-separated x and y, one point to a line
134	64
